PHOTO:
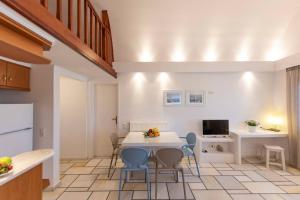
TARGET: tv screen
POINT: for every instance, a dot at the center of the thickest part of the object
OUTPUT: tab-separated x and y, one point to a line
215	127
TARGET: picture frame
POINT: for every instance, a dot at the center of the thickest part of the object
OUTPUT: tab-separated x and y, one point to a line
173	97
195	98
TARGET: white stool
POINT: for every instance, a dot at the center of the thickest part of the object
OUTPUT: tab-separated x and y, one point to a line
277	150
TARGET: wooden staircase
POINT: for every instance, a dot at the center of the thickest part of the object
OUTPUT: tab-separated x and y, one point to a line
74	22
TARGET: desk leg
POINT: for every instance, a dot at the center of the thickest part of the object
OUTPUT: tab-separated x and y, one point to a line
238	149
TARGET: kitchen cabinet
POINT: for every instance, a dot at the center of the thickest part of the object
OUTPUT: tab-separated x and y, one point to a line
2	73
14	76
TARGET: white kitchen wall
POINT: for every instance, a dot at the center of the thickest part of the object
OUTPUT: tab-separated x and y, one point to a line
73	118
236	96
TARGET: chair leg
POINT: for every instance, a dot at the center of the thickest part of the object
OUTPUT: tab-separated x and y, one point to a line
120	185
189	160
196	164
112	158
268	159
183	182
148	184
156	173
116	159
283	161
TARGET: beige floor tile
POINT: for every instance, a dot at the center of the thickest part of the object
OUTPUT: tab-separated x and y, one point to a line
190	179
291	189
162	191
211	183
75	196
70	189
294	179
105	185
290	196
243	178
282	173
229	183
211	195
104	163
84	181
205	165
224	168
176	191
246	197
80	164
238	191
98	170
99	196
283	183
231	173
139	195
65	166
53	195
67	180
220	165
135	186
262	187
207	171
271	176
79	170
272	197
254	176
79	161
197	186
243	167
125	195
103	177
93	162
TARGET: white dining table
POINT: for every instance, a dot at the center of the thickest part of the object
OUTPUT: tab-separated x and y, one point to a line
166	139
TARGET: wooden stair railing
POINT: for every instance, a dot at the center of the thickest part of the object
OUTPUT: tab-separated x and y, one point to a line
96	41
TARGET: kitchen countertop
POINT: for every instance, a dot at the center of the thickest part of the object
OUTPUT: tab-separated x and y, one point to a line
26	161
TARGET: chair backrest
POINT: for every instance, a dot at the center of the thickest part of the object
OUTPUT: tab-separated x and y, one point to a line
169	157
114	140
134	157
191	139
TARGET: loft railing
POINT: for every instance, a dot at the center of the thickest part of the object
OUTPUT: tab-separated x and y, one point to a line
74	22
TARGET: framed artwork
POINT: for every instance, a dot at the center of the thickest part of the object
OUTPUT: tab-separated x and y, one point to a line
195	98
173	97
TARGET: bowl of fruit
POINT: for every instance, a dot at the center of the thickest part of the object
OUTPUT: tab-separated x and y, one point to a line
152	132
6	166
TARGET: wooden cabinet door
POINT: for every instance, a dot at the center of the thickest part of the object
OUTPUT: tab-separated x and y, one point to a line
18	76
2	73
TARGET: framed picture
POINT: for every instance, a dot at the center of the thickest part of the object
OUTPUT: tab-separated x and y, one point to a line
195	98
173	97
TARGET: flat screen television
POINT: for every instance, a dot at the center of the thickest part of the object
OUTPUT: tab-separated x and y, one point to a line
215	127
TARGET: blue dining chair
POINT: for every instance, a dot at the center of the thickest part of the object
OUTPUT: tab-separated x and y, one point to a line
188	149
135	159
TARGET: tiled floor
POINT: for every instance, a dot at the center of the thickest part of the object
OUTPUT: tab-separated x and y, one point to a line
87	180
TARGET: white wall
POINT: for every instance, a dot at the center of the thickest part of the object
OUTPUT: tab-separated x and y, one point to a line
290	38
236	96
73	118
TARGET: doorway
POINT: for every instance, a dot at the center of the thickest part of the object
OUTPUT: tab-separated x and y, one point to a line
73	118
106	118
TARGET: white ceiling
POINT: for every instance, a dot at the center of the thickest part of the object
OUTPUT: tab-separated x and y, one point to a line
198	30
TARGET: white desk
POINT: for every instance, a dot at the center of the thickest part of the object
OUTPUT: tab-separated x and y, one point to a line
166	139
241	134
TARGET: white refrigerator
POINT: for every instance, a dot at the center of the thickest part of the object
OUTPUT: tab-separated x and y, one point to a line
16	129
